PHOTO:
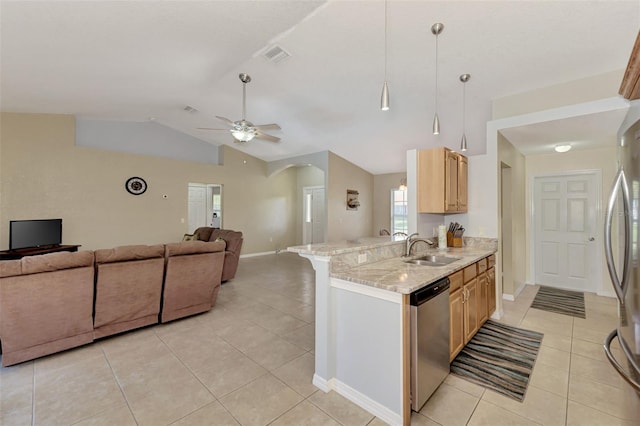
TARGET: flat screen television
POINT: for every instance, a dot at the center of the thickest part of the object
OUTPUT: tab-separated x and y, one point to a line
34	233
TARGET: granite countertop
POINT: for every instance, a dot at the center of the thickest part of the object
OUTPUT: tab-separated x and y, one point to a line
397	276
345	246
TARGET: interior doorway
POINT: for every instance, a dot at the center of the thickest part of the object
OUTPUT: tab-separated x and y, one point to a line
313	216
566	235
204	205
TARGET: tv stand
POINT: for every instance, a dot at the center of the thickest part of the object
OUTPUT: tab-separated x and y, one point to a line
34	251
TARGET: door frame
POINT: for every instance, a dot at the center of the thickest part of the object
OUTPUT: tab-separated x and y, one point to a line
598	232
324	225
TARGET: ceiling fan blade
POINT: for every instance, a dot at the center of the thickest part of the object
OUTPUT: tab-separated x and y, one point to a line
210	128
272	126
226	120
266	137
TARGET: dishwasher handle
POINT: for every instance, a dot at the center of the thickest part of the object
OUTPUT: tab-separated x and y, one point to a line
427	293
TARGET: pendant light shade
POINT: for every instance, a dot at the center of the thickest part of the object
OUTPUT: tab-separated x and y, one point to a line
436	29
384	99
464	78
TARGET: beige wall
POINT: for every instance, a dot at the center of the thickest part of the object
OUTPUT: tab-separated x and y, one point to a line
348	224
588	89
513	248
596	159
44	175
382	186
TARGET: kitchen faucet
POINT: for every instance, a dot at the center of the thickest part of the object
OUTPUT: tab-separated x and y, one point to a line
407	243
410	242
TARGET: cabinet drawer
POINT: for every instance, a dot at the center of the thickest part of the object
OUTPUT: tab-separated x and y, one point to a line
456	281
492	261
470	272
482	265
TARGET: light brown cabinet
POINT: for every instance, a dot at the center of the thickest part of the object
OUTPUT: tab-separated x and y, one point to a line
442	181
471	301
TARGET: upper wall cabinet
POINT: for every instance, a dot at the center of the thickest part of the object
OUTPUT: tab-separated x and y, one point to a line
442	181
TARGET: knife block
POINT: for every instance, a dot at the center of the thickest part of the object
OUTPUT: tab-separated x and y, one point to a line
453	241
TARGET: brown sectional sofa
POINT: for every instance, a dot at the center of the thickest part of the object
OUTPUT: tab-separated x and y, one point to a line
58	301
192	278
233	240
128	288
46	305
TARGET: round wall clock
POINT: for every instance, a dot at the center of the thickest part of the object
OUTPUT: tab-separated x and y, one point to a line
136	185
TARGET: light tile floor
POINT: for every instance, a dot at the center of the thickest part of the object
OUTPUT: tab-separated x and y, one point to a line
249	361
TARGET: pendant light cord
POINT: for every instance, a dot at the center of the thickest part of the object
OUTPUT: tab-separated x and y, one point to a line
436	74
385	40
464	106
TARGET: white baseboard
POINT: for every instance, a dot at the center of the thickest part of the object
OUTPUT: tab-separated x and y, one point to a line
606	293
320	383
373	407
264	253
514	296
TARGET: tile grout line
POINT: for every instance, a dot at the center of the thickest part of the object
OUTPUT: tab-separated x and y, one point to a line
115	376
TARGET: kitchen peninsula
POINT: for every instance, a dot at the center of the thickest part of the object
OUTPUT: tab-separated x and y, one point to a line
363	287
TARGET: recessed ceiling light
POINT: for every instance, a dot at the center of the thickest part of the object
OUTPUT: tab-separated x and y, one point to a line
562	148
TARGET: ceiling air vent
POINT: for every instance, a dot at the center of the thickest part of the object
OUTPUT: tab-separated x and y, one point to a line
275	53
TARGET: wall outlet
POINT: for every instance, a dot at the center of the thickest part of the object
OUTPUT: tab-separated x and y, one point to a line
362	257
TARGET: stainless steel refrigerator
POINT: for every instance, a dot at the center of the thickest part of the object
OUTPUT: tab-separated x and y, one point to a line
621	251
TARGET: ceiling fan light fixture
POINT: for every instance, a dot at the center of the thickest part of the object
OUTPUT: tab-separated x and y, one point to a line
243	131
562	147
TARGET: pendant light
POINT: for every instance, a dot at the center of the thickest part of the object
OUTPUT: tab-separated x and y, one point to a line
464	78
384	99
436	29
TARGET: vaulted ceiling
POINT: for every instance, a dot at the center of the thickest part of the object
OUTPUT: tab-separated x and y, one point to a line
136	60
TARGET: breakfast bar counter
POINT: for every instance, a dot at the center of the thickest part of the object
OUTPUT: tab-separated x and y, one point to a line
362	348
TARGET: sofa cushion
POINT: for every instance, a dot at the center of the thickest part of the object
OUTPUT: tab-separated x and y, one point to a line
232	238
203	233
132	252
56	261
10	268
193	247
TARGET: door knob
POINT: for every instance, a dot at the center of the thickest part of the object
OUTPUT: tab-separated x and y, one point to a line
592	239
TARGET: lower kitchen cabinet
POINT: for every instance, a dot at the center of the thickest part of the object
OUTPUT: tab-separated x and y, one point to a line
472	300
471	310
491	294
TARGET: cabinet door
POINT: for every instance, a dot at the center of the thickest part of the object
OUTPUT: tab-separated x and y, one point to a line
451	181
463	178
483	298
471	314
491	293
456	328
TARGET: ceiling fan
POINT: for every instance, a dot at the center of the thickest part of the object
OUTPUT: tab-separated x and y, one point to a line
244	130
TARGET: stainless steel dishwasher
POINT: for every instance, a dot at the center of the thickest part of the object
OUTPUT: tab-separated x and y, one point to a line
429	340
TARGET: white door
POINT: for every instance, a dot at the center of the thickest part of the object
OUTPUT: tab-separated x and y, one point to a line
313	215
565	231
197	208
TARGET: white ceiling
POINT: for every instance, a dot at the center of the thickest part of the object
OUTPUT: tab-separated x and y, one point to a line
134	60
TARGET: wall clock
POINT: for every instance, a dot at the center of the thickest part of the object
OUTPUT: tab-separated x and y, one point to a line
136	185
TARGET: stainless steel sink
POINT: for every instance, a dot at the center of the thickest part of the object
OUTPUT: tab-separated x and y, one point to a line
432	260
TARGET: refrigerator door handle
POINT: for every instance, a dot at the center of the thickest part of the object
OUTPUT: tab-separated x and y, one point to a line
614	362
618	285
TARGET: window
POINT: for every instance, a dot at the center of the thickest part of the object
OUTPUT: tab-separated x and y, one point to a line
398	211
